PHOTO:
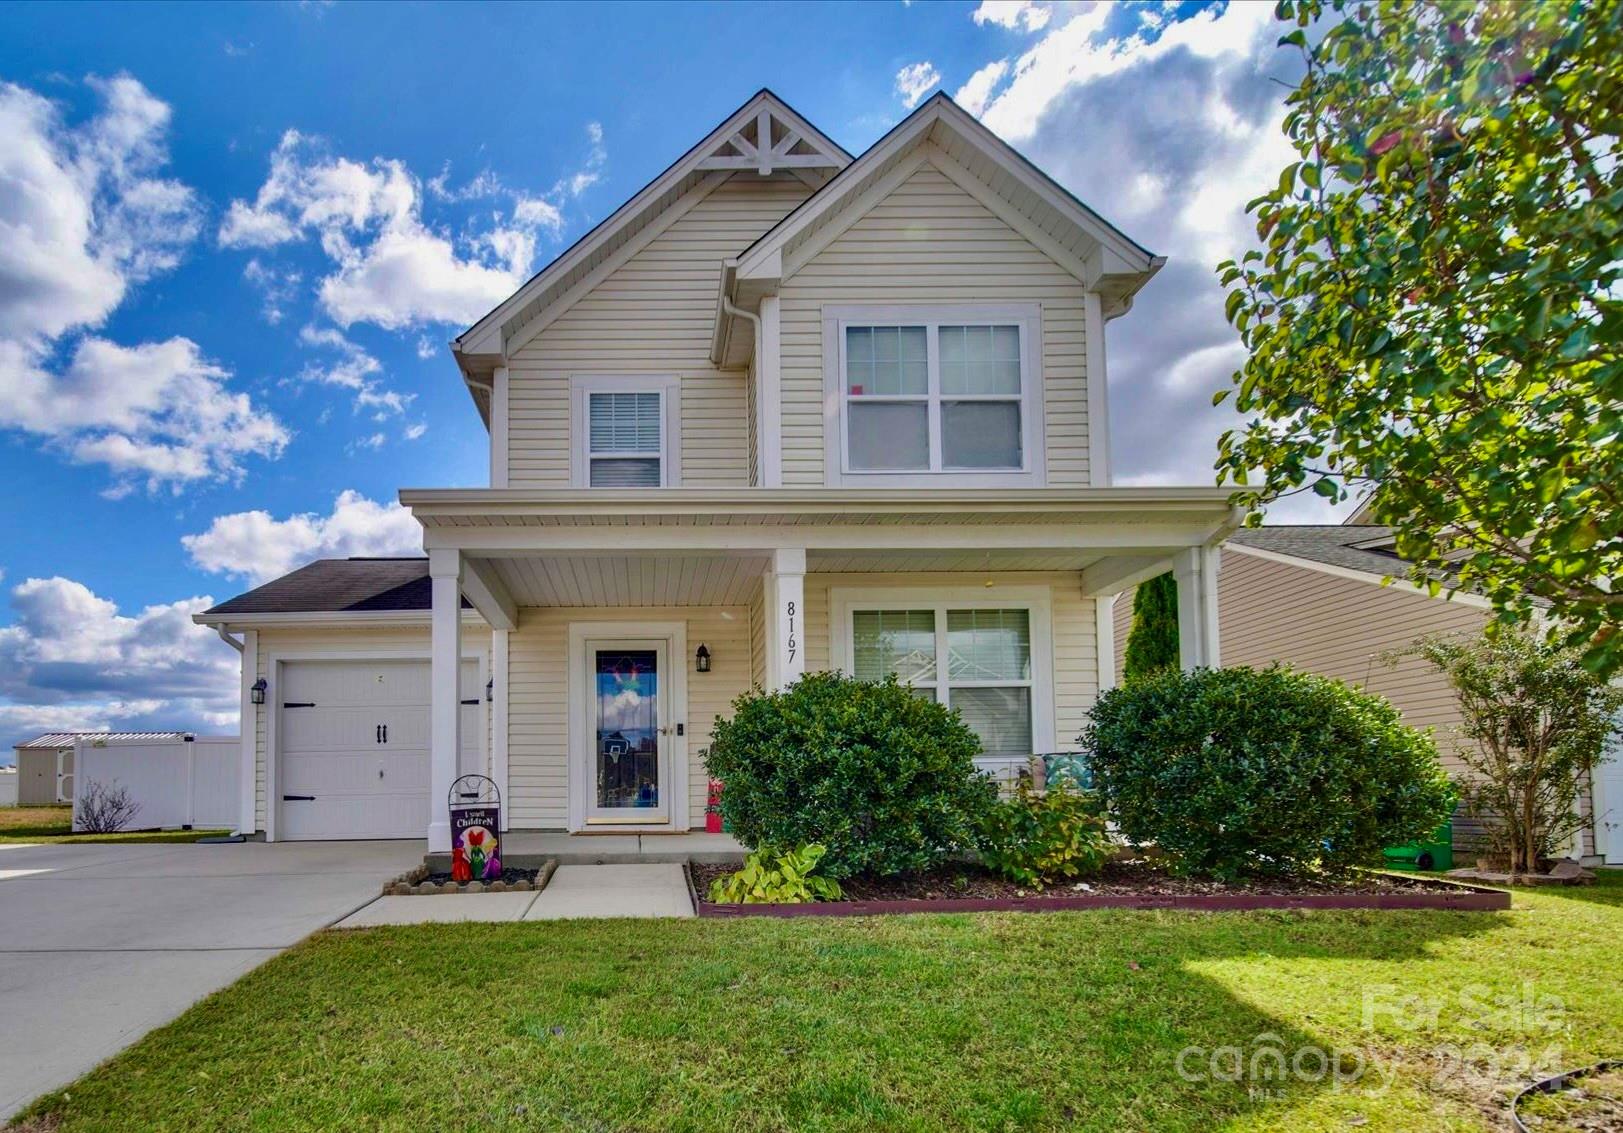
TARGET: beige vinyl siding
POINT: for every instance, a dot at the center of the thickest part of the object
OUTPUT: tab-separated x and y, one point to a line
1074	637
1339	627
539	697
758	638
358	641
931	242
652	316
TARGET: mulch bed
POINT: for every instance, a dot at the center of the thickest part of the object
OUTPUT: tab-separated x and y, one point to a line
1122	884
420	882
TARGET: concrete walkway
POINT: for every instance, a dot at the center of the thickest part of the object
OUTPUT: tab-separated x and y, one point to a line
575	891
101	943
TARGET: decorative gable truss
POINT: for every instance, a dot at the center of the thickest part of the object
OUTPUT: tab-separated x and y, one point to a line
769	142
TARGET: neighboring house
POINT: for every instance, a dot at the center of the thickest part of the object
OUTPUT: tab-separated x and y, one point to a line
785	410
1313	597
45	764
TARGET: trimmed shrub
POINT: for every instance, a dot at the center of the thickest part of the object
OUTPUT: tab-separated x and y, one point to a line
884	778
1032	838
1240	771
777	877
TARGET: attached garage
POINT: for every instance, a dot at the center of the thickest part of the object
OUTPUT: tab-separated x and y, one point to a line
352	746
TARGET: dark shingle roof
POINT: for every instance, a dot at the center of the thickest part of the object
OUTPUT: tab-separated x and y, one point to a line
1343	545
340	586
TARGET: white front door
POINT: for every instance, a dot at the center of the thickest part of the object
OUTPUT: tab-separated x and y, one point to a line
629	727
1609	800
353	747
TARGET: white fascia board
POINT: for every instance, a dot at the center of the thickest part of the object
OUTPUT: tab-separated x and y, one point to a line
484	337
1392	581
345	618
943	111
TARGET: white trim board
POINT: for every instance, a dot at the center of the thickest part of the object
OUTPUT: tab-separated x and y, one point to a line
669	389
1033	415
1038	600
576	689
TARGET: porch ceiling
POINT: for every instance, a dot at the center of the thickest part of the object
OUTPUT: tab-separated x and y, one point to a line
631	580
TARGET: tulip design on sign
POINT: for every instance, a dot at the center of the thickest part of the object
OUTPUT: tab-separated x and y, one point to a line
474	851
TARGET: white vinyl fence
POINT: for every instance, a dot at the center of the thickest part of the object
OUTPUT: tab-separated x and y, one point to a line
9	778
174	782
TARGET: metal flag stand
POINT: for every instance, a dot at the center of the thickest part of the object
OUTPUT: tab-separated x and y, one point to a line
475	804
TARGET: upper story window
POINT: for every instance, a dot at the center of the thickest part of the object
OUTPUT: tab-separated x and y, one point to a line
625	431
948	395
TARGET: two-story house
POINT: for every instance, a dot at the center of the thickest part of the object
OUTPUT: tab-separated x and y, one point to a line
785	410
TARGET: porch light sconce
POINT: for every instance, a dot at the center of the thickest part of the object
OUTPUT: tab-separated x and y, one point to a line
256	691
701	660
490	690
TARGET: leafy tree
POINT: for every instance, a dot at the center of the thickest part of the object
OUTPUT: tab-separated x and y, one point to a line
1152	642
1437	309
1540	721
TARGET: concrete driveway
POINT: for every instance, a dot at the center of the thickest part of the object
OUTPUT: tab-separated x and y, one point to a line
100	943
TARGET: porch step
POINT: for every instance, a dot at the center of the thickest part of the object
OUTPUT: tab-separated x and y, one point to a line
529	849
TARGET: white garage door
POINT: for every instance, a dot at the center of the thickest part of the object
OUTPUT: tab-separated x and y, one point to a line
353	740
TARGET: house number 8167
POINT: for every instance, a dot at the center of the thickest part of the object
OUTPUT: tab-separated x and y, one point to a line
789	639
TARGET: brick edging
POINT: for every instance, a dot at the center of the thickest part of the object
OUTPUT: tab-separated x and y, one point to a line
1467	898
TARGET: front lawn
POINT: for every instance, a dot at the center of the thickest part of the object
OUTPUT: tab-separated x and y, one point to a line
988	1021
54	824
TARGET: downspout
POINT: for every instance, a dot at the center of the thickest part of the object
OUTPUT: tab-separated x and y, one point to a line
228	639
755	321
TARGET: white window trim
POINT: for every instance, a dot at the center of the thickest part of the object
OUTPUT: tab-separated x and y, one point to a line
669	388
1026	316
1037	601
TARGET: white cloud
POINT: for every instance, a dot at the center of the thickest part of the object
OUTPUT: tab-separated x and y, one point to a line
159	411
72	660
84	216
276	286
390	267
977	92
914	81
1022	14
355	370
258	547
414	432
1191	135
426	347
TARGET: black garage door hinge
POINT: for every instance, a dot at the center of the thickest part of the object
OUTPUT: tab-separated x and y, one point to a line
298	798
300	704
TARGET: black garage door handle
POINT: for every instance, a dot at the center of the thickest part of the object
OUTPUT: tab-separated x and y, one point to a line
298	798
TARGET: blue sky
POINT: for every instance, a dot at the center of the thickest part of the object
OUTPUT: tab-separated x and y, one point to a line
234	241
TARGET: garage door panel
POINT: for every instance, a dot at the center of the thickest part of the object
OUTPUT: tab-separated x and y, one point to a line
356	683
381	772
335	816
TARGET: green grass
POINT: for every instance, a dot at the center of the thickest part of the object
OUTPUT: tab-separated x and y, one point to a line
988	1021
54	824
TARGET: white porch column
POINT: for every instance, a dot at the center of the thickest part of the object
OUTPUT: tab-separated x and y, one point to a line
769	398
444	697
785	596
498	717
1195	570
248	765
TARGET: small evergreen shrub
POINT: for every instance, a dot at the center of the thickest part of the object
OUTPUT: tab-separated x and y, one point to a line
1239	771
884	778
1034	839
1152	641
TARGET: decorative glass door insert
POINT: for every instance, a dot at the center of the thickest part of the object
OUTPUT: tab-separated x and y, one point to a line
629	748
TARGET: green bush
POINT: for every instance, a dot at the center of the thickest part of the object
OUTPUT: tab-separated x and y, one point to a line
1033	839
884	778
1240	771
777	877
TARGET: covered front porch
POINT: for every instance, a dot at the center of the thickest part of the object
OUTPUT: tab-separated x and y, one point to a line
602	699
